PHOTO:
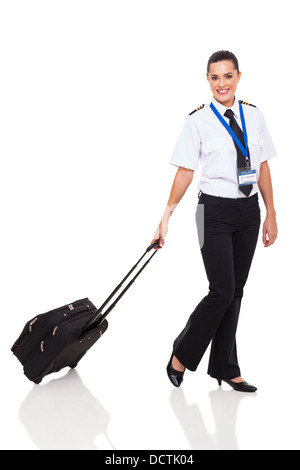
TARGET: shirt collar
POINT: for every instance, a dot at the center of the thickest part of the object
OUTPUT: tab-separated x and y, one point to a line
221	108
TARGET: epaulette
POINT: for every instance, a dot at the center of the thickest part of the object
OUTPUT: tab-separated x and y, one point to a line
197	109
248	104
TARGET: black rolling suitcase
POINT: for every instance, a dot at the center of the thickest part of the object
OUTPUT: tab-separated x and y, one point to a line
61	337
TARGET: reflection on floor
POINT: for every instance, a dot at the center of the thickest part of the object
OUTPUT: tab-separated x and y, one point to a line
63	414
224	406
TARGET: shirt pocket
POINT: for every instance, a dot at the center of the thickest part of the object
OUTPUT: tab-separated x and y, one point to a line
213	161
213	145
255	142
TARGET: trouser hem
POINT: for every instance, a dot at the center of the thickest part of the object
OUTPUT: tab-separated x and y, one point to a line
186	364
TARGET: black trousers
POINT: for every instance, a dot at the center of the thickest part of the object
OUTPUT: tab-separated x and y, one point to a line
230	228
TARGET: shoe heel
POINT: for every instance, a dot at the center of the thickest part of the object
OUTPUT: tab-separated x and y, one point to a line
219	382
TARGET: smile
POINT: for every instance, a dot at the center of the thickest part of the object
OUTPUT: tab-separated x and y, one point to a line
223	92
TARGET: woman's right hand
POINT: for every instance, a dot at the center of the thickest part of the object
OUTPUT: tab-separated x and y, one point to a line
160	233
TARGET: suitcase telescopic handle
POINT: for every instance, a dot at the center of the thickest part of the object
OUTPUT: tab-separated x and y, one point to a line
100	310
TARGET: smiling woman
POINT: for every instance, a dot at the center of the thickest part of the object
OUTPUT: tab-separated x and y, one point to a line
227	217
223	75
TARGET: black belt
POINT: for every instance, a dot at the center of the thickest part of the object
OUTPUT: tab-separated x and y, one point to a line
229	199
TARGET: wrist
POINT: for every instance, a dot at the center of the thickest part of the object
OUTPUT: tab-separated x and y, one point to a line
271	213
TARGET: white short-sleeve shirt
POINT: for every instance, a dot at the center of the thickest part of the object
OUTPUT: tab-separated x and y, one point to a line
205	140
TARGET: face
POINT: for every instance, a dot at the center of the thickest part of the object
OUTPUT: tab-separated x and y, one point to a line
223	79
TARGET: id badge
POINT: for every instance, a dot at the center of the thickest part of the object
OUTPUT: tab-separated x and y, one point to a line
246	176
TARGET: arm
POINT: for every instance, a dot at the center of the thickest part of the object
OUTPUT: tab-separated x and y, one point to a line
182	180
265	186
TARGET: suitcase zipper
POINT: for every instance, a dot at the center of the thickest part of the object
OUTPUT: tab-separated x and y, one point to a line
48	336
32	323
70	306
84	310
53	333
75	310
42	343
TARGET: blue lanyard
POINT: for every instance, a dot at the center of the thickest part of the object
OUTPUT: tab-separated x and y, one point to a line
233	135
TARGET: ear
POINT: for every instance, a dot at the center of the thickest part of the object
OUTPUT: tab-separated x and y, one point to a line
239	76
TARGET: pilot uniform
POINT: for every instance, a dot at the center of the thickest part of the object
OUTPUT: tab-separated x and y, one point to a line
230	227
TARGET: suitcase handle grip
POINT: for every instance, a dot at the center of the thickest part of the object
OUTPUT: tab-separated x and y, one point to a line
153	245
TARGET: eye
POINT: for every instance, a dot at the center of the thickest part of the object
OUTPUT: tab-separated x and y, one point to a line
214	78
229	77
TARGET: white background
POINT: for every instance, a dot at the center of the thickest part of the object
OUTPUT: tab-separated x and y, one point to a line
94	95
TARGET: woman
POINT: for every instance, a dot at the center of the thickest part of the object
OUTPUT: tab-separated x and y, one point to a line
232	143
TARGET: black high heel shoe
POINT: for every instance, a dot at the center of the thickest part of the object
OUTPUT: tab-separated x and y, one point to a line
174	375
239	386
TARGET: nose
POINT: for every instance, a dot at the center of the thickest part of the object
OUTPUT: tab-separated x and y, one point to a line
222	82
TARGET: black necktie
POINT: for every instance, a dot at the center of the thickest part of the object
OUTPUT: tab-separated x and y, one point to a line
240	158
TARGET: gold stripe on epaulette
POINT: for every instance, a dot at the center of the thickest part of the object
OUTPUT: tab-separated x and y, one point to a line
197	109
248	104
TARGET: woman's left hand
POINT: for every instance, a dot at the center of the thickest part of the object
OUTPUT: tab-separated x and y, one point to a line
270	230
